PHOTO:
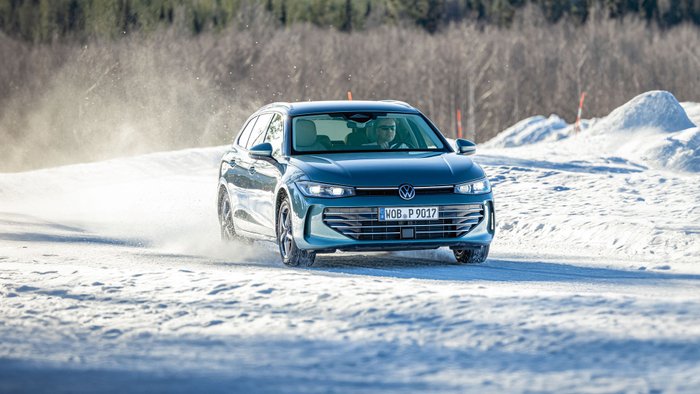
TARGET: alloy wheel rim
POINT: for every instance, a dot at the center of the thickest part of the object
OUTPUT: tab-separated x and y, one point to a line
285	232
226	220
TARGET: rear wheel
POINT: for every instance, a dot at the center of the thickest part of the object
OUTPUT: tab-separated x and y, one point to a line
475	255
228	231
291	254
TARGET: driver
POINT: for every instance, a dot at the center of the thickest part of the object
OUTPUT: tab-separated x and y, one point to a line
386	132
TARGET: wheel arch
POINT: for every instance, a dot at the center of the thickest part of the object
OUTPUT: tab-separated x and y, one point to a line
282	193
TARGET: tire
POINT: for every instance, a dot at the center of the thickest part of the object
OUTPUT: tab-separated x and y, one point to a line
226	226
291	254
472	256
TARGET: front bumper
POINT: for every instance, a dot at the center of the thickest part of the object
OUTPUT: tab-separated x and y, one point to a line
311	233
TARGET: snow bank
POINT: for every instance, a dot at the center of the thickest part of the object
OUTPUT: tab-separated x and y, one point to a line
657	110
693	111
653	129
679	151
531	130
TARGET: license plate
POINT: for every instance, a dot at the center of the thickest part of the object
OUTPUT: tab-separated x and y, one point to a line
409	213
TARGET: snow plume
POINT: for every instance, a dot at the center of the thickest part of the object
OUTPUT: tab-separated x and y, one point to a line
72	103
134	201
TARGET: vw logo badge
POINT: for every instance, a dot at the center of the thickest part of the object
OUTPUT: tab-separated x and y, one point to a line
407	191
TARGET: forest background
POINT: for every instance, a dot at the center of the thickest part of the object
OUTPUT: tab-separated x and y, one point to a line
84	80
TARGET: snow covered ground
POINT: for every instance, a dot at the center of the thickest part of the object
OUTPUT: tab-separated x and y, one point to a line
112	279
626	187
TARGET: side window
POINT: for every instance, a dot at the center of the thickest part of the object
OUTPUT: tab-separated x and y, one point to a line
258	133
275	135
243	136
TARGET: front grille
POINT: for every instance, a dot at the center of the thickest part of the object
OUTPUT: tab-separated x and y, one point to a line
363	224
394	191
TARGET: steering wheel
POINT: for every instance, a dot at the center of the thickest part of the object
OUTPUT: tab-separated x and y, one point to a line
402	145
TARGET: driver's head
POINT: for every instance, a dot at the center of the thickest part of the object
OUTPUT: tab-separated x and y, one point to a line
386	130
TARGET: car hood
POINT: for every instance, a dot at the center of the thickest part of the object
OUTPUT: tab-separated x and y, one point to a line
388	168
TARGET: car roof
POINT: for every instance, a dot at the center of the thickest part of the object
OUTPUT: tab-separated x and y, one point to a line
316	107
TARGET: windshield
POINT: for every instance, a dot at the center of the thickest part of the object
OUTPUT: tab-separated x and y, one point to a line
353	132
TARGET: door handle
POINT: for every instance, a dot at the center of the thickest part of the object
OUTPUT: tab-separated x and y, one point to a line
232	162
251	170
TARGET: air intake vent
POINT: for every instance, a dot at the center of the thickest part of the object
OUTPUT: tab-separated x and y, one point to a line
363	224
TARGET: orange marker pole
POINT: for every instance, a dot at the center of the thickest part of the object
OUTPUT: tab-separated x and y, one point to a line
577	126
349	95
459	123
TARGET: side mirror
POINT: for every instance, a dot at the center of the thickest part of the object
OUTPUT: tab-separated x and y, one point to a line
465	147
261	151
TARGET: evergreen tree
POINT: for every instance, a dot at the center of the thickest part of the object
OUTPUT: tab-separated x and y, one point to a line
649	10
347	17
45	20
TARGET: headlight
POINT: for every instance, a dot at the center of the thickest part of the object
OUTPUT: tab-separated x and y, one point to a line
314	189
477	187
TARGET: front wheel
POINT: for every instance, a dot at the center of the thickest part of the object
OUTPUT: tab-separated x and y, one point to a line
291	254
228	231
475	255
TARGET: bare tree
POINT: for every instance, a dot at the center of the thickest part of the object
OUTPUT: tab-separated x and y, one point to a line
164	90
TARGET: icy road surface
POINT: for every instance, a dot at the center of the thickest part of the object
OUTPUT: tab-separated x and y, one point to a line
112	279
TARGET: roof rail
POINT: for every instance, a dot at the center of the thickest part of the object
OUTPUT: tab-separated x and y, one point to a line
405	104
277	104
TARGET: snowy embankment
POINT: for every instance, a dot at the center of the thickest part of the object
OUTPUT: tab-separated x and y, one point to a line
653	129
624	188
112	278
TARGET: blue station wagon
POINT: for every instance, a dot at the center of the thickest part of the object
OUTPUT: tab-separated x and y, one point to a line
319	177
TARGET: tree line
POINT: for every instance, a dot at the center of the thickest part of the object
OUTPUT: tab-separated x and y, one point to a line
76	101
44	20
